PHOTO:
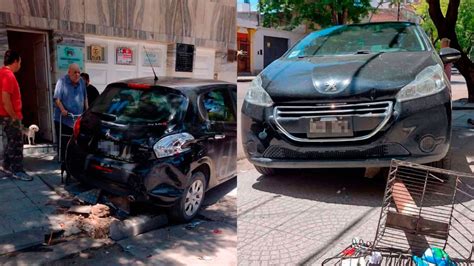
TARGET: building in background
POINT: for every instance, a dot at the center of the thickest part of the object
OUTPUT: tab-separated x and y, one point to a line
393	12
258	46
114	40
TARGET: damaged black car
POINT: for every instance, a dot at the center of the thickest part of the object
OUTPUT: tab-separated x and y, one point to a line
164	142
351	96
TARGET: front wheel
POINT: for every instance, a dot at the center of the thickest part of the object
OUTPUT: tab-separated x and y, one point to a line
188	206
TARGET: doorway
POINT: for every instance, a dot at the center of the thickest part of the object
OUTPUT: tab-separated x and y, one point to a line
33	78
274	48
243	45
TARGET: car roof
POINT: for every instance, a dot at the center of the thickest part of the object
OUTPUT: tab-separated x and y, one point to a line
174	82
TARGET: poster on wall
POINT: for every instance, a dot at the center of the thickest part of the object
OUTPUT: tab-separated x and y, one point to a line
151	57
68	55
124	56
184	57
96	53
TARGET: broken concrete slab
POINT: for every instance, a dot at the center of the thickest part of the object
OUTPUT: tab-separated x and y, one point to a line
86	209
90	196
136	225
21	240
65	203
55	252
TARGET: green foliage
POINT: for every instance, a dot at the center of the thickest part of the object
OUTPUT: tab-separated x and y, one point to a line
464	24
313	13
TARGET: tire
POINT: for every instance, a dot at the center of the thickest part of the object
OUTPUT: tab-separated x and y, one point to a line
266	171
193	196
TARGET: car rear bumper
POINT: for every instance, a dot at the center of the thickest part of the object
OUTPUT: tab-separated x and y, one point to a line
158	182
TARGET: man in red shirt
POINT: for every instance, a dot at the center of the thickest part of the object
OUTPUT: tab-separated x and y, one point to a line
11	116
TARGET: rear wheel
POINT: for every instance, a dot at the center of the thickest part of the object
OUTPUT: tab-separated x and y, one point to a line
188	206
265	170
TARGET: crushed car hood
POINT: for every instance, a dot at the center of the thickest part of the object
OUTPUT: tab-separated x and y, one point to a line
343	77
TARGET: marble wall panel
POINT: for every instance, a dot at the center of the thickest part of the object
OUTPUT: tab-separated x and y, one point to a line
7	6
34	8
71	10
100	12
121	11
142	14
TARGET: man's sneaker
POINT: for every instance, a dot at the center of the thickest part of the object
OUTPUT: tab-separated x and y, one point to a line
22	176
5	174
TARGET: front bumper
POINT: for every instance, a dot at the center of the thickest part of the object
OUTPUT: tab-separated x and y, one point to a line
160	182
411	125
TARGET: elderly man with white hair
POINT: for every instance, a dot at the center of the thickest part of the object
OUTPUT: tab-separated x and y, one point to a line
70	97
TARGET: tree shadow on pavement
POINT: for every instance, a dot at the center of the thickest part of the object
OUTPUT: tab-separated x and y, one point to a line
341	186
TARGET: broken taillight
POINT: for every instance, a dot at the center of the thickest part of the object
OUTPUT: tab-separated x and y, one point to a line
77	127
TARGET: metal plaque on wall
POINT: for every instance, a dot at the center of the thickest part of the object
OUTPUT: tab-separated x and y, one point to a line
184	57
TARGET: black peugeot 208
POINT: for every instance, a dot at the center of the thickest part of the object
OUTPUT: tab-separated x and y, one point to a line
351	96
165	142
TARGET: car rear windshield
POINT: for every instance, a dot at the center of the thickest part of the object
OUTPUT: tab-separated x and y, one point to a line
360	39
124	105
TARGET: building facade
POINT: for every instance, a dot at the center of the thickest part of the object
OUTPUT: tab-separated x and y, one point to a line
257	46
114	40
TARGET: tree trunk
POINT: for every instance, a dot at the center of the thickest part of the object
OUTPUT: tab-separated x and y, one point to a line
446	29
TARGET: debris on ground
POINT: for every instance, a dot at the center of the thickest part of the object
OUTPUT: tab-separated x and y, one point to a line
90	196
80	209
97	225
206	258
193	224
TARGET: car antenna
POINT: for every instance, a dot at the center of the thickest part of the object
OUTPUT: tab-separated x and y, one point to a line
149	61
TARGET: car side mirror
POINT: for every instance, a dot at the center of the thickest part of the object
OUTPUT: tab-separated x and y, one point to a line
449	55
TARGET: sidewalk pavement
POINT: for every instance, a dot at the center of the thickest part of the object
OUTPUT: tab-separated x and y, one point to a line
28	210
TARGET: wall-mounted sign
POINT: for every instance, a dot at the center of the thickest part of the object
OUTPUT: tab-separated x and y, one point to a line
184	57
124	56
68	55
151	57
96	53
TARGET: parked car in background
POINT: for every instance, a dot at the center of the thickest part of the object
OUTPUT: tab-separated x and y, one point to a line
351	96
165	142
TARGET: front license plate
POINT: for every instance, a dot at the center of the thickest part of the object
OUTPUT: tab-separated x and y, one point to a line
330	127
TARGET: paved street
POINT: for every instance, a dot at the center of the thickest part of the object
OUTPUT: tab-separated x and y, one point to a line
303	217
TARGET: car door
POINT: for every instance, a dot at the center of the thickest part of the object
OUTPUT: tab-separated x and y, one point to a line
218	107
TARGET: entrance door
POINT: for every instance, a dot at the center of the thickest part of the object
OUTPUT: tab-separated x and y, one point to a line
273	49
33	78
243	46
42	89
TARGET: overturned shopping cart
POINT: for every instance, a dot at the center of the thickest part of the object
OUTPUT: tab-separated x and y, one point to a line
422	207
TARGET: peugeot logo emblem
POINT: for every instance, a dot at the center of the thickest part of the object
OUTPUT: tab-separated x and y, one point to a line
331	86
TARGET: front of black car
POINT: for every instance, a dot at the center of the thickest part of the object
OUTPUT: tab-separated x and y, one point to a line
350	96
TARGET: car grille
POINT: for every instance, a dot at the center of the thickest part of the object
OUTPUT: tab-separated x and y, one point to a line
386	150
368	119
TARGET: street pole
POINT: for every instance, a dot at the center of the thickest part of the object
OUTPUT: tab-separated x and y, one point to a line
398	11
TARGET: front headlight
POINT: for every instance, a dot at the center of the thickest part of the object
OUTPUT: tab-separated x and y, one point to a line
257	95
429	81
172	145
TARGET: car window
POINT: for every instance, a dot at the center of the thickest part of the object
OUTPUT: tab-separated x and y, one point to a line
218	105
363	38
126	105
